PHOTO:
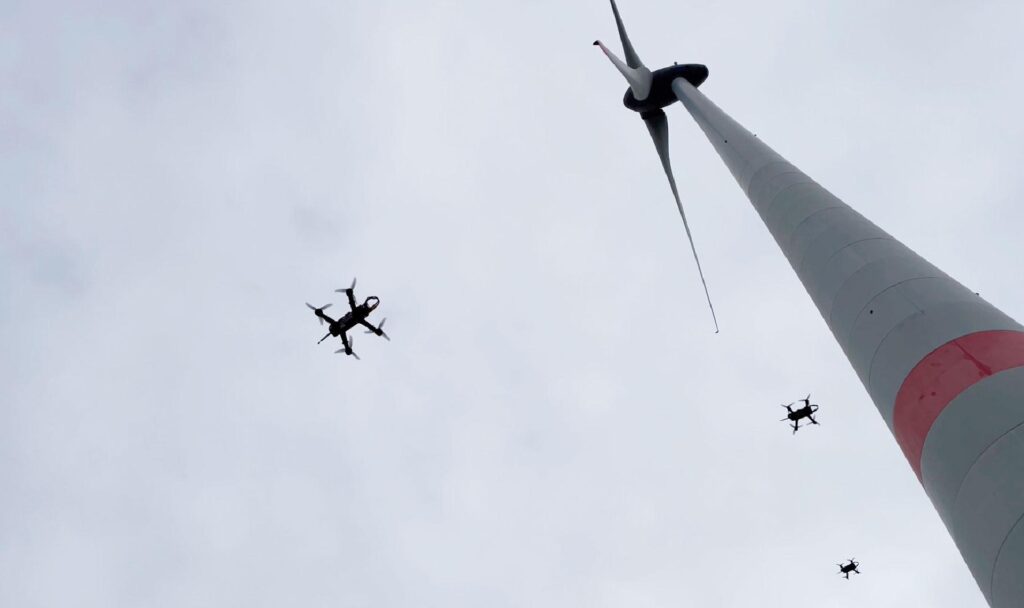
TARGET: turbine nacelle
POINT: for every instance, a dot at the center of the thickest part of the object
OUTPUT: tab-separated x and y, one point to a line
649	90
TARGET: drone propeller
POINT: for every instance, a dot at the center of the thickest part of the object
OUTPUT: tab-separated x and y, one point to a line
381	329
350	288
349	350
318	310
342	350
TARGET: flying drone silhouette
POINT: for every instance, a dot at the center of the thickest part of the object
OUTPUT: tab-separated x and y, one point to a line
846	569
356	315
795	416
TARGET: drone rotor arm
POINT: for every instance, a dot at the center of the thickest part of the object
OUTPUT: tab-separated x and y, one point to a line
350	291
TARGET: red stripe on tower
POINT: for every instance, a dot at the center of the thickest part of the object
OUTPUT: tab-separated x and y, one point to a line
942	375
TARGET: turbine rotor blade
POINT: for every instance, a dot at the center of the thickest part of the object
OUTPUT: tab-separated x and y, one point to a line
657	125
639	78
632	59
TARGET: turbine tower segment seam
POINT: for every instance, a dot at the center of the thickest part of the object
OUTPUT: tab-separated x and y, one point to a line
829	259
860	311
793	171
977	459
999	552
771	206
898	289
798	265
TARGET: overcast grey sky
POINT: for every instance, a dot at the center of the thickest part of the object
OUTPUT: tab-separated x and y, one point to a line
554	423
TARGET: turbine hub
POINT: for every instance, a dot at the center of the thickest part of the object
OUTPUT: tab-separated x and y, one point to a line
661	94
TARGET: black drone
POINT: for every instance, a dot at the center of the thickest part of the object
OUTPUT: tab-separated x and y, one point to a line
356	316
846	569
807	411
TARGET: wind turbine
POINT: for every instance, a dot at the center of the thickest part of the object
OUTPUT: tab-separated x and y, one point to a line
648	93
944	367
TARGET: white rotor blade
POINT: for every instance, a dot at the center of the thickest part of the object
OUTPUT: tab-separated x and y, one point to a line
639	79
632	59
636	73
657	124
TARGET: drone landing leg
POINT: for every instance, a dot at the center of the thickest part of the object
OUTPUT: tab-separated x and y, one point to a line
325	337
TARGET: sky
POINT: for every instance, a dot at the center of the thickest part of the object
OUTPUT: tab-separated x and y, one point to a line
555	422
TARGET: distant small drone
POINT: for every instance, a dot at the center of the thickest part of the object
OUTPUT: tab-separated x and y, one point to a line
807	411
356	316
846	569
